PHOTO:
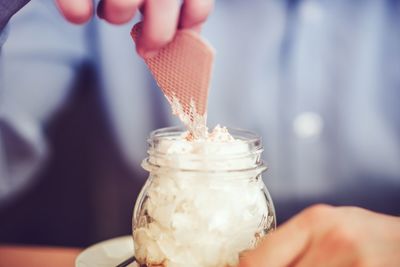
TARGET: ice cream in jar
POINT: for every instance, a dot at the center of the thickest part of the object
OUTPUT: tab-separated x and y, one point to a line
204	201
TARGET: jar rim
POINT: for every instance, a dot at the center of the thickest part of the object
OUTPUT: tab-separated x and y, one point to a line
248	138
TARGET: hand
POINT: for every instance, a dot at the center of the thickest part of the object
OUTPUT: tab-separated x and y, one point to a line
161	18
327	236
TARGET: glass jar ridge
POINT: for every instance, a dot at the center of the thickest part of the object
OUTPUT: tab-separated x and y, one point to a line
240	156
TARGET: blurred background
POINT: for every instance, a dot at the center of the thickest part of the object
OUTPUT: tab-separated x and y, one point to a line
318	80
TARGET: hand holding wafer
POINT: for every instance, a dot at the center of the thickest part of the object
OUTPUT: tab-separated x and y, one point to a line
161	19
182	70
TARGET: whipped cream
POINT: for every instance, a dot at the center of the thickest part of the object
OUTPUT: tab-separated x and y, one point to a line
203	204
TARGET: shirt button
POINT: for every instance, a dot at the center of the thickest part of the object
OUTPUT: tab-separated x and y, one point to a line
308	125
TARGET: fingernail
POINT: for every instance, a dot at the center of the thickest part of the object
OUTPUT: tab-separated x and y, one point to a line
197	28
140	51
149	54
146	53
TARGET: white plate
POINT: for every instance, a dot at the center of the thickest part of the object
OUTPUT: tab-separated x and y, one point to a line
108	253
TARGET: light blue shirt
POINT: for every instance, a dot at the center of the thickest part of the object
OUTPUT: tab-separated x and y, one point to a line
318	80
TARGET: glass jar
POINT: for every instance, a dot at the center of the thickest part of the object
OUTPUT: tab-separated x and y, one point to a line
204	201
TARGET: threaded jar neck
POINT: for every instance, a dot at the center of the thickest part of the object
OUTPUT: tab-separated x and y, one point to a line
170	151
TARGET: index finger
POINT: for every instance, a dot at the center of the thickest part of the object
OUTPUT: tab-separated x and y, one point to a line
76	11
195	12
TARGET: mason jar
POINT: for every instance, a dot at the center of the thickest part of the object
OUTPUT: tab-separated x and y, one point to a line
204	201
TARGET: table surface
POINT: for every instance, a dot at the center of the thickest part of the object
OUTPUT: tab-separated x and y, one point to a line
37	256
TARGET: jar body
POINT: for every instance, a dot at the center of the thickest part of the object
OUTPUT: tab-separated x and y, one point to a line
200	218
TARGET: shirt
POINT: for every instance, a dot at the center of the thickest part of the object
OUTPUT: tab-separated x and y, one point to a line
318	80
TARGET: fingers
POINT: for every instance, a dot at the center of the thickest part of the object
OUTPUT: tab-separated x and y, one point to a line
323	236
330	251
161	20
287	244
161	17
159	25
279	248
334	244
76	11
118	11
195	12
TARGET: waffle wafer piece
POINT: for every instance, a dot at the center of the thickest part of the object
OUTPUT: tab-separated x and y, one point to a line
182	69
